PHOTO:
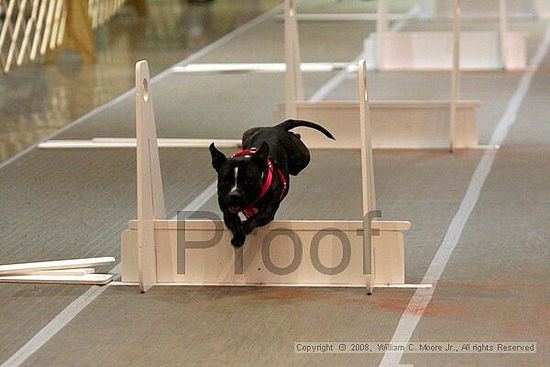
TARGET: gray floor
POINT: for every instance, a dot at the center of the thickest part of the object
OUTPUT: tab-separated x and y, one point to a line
62	204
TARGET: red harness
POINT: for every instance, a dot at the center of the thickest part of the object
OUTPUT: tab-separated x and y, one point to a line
251	210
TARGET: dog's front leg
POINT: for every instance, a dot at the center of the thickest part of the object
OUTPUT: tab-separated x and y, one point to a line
241	229
233	222
260	220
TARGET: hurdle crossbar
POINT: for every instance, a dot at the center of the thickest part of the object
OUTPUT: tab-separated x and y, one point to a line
103	143
228	68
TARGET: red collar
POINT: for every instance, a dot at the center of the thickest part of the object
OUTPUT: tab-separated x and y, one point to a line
251	210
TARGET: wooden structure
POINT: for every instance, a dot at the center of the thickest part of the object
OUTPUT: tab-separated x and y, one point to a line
416	124
358	253
75	271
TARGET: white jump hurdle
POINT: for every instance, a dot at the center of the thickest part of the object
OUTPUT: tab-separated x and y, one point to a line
482	50
415	124
285	253
396	124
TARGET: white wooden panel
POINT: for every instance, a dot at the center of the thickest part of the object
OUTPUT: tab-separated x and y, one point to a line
93	279
215	265
395	124
389	258
79	271
516	50
433	51
23	268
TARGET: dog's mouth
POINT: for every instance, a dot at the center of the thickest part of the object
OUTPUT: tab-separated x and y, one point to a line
234	209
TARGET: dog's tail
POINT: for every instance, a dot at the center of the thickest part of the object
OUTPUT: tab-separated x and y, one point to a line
291	124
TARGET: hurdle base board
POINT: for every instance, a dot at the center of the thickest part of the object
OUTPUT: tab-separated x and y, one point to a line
215	265
434	51
26	268
91	279
377	285
78	271
395	124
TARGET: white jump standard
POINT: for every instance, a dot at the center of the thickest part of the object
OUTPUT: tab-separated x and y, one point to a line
285	253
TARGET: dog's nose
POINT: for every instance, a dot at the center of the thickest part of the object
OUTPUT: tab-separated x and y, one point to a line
235	198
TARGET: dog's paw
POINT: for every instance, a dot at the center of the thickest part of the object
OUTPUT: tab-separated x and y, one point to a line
238	240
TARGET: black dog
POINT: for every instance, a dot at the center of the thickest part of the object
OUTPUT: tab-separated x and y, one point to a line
253	182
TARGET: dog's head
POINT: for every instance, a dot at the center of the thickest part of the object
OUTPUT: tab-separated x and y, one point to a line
240	179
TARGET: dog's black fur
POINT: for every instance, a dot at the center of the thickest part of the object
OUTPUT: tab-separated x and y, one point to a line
240	179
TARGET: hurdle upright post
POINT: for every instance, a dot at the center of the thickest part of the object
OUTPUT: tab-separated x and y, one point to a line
381	30
455	75
503	30
293	76
150	195
367	175
541	9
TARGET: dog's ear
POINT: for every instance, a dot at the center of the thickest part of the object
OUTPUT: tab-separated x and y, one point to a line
262	153
218	158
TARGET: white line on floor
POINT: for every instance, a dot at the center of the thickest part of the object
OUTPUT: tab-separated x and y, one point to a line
422	297
56	324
